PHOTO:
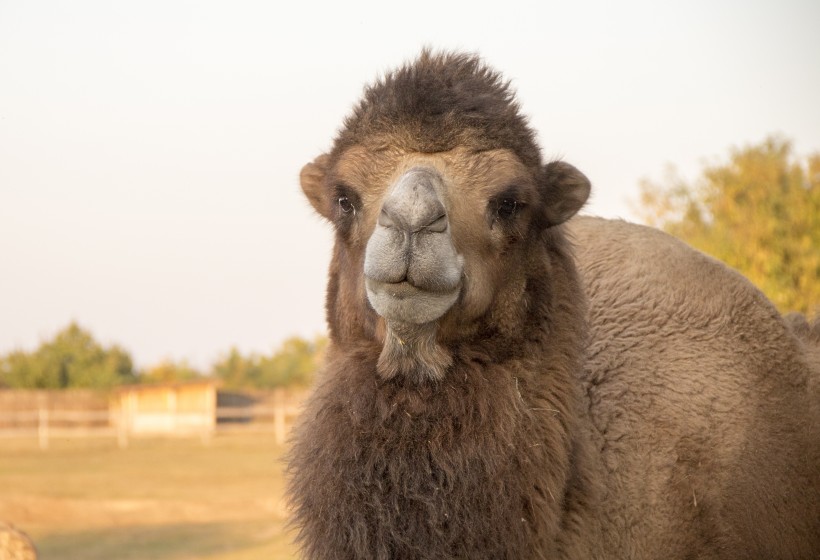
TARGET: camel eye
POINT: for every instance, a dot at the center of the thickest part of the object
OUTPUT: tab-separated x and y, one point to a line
345	204
506	208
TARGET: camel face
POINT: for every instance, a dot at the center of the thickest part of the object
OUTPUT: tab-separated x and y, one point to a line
435	245
438	237
440	203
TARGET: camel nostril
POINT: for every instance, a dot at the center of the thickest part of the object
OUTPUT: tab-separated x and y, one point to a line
385	220
413	205
439	225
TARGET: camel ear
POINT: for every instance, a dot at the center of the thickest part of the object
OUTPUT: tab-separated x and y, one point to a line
566	190
312	179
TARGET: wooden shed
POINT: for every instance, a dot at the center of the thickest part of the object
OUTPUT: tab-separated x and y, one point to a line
185	408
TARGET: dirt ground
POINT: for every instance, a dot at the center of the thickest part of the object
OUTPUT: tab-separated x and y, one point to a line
158	499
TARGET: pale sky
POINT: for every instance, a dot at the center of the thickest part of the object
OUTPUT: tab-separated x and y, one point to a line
150	151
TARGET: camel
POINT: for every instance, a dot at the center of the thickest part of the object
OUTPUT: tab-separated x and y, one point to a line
506	380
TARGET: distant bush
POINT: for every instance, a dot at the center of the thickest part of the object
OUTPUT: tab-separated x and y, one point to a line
294	363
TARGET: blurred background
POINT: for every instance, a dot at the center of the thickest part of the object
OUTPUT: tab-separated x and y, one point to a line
162	278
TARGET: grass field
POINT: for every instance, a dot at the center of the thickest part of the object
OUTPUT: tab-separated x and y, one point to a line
159	499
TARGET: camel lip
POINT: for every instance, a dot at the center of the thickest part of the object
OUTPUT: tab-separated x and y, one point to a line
406	289
401	290
407	303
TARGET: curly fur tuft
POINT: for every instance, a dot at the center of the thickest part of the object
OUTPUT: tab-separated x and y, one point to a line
439	102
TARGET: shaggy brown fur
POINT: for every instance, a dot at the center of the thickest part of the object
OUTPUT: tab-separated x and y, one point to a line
670	427
437	104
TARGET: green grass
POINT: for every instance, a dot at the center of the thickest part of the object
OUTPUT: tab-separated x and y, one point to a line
159	499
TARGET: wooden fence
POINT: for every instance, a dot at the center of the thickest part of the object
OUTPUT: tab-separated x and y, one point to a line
45	425
46	420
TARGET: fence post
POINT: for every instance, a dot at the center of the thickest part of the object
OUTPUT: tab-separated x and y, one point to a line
122	427
210	411
42	427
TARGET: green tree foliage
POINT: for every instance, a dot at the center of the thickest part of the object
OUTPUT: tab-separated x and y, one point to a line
168	371
294	363
72	359
237	371
759	212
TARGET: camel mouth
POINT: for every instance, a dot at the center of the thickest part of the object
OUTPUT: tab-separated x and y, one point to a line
405	302
405	289
401	290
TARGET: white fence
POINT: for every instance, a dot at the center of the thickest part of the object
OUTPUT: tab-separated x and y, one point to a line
45	424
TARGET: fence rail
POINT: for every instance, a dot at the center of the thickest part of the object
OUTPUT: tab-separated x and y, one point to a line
45	424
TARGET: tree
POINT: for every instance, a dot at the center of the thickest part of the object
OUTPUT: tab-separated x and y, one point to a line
19	370
237	371
294	363
168	371
759	212
72	359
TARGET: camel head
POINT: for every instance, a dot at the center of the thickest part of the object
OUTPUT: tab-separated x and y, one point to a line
443	211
